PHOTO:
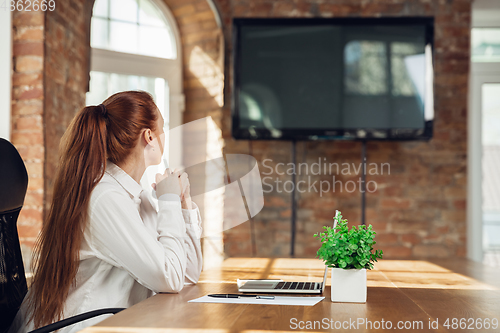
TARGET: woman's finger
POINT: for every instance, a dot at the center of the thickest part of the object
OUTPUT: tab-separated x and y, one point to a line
159	177
184	181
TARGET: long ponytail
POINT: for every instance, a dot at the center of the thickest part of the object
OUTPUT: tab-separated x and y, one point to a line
97	133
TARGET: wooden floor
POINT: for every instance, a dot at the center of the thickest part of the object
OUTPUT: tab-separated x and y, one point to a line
411	293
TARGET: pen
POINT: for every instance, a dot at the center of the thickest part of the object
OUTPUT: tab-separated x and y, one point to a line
239	296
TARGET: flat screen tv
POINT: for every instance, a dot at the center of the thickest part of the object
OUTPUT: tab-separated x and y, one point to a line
333	78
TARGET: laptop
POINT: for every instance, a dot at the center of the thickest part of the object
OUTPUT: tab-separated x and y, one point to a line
280	286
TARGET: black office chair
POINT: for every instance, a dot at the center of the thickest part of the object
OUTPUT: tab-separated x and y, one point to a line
13	287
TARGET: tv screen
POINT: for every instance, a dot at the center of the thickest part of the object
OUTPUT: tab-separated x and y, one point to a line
341	78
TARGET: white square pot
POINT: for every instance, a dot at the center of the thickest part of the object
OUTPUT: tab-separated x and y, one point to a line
349	285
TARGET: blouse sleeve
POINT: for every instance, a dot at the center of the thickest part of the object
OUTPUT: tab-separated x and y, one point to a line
118	235
192	244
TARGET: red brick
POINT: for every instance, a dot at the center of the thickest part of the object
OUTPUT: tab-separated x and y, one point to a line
29	216
28	123
460	204
35	169
28	48
35	183
383	239
22	139
282	8
178	3
378	226
394	252
433	239
29	33
275	201
185	10
31	107
27	79
28	231
33	198
395	203
28	19
410	238
455	192
31	152
434	203
406	226
29	63
199	36
443	229
431	251
452	216
461	251
391	191
286	213
28	93
197	17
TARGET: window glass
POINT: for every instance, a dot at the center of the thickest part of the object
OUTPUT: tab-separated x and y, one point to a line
485	45
124	10
123	37
490	102
101	9
148	15
103	85
491	114
132	26
100	32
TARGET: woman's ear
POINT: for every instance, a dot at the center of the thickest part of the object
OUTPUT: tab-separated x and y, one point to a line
148	136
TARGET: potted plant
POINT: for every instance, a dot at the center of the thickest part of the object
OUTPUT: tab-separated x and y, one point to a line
349	253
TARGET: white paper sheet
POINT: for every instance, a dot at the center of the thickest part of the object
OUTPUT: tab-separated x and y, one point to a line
278	300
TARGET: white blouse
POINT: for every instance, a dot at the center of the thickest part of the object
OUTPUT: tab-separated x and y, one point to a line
131	250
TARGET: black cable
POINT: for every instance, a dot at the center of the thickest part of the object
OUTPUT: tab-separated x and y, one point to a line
363	182
294	204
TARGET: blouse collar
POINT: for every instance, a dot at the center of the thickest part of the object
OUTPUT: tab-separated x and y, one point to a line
124	179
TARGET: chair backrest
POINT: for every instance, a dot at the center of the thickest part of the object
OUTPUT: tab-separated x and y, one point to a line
13	186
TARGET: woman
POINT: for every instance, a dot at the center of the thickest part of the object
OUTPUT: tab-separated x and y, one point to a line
103	243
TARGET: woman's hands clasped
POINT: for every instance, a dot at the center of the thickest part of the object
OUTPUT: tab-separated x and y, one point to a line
174	183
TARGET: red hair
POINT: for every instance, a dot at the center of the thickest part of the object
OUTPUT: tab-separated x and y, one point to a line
92	138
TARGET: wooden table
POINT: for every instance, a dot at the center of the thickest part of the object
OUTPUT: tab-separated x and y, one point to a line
405	292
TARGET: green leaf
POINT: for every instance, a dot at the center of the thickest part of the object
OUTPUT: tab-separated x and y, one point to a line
347	248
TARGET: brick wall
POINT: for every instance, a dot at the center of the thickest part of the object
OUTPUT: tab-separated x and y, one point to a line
418	210
51	62
27	117
66	70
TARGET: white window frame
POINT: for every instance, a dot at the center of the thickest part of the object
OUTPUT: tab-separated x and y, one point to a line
169	69
485	14
5	73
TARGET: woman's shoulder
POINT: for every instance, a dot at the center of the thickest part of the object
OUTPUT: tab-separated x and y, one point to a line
107	188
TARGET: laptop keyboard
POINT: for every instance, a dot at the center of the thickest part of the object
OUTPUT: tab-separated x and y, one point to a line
295	285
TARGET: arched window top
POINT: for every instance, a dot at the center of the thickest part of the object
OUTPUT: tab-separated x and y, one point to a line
132	26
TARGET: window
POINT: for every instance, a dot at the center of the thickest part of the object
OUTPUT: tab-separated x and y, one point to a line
485	44
132	26
135	46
